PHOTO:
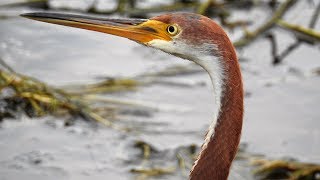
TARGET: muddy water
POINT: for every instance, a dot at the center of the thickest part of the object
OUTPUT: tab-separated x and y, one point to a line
281	106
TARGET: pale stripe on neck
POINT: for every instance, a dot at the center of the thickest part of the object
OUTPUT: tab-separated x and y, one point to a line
215	70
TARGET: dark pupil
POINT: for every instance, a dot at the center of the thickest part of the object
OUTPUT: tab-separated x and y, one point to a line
171	29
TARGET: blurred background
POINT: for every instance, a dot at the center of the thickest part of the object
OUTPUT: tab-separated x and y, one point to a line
76	104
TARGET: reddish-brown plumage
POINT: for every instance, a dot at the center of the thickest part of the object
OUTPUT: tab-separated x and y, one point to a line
196	28
216	159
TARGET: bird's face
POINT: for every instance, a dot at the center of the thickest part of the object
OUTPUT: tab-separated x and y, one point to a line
183	34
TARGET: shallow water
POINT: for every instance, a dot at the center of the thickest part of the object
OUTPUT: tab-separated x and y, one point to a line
281	110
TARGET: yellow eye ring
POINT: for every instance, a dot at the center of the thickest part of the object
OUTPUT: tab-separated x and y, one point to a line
172	30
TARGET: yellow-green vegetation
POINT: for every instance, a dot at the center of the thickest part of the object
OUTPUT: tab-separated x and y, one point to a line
249	36
107	86
285	169
145	173
184	157
146	148
37	99
306	32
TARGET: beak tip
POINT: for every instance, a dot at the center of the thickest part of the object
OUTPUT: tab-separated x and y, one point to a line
24	15
35	15
28	15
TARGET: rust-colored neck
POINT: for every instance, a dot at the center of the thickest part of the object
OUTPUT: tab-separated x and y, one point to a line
216	158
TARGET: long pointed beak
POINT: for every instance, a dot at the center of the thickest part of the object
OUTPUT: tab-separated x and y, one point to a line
139	30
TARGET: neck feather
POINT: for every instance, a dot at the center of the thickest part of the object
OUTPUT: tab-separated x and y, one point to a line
223	136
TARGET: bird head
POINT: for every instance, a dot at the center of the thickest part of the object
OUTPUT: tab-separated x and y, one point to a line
185	35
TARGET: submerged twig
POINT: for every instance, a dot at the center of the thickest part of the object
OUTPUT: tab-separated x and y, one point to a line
315	17
286	52
277	58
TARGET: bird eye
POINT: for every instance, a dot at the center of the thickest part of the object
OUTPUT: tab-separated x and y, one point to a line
172	29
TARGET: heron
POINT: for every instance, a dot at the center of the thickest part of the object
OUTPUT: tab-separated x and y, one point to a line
195	38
